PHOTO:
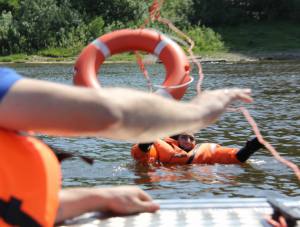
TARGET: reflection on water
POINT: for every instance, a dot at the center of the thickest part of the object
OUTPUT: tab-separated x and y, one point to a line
276	90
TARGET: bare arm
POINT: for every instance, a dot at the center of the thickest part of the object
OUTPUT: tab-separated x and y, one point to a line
114	113
119	200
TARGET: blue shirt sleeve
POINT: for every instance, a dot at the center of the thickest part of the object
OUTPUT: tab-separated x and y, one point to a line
7	78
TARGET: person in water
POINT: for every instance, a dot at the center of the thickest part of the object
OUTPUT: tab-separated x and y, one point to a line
182	149
30	192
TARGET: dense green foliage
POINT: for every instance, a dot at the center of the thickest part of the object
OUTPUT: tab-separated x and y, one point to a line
47	26
280	36
111	11
235	12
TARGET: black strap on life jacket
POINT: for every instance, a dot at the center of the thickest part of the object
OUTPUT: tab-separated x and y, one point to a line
145	147
12	214
191	158
62	155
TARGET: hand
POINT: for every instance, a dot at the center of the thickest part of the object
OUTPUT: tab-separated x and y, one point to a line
281	222
120	200
216	101
224	97
127	200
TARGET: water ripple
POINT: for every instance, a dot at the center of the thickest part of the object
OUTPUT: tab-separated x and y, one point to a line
276	89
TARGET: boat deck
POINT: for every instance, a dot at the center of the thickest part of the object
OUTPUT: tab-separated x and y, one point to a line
200	212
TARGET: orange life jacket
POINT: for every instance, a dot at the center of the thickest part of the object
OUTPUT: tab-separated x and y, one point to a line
167	151
29	181
211	153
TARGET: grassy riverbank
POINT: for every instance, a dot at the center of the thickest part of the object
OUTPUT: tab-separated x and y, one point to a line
251	42
265	41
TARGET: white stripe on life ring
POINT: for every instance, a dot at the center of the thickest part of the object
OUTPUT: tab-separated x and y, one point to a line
175	86
161	45
102	47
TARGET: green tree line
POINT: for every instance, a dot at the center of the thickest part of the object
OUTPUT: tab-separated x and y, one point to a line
27	26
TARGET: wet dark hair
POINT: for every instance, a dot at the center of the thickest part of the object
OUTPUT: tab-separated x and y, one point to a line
175	137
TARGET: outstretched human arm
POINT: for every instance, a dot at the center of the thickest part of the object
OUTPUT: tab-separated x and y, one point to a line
114	113
119	200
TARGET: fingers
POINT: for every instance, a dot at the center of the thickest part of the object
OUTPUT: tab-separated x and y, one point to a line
143	196
144	206
130	199
223	97
214	102
142	202
146	202
280	223
239	94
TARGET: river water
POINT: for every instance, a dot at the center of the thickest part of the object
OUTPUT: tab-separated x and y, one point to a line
276	90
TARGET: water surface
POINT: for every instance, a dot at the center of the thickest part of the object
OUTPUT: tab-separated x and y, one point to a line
276	90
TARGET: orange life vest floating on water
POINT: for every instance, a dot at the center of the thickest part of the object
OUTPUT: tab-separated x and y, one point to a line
161	151
29	181
211	153
167	151
172	56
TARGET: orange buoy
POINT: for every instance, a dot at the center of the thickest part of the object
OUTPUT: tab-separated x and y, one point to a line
172	56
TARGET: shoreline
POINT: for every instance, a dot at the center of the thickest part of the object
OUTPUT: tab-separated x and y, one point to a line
252	56
233	57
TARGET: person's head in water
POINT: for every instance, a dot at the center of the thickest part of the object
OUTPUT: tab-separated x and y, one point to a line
186	141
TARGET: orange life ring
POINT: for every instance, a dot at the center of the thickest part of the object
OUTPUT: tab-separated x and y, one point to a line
172	56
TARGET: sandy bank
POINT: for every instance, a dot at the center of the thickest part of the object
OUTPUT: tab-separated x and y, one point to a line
214	57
